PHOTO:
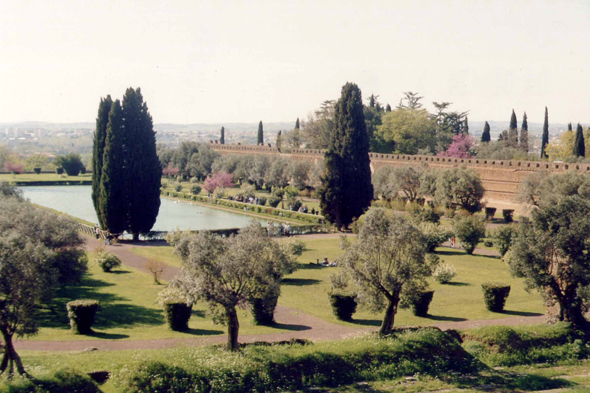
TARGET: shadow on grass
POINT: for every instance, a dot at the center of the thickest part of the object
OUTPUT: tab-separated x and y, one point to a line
203	332
458	284
300	281
444	318
107	336
284	326
506	381
366	322
120	272
522	313
310	266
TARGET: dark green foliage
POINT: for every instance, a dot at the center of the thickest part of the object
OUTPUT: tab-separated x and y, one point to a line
61	381
466	126
346	190
343	305
388	108
579	146
112	204
155	377
71	163
59	170
263	308
260	137
81	314
508	215
37	170
279	140
107	261
490	212
195	189
178	187
261	201
524	134
100	137
297	124
222	136
513	131
470	230
273	201
545	136
503	237
421	304
427	214
569	127
177	316
495	295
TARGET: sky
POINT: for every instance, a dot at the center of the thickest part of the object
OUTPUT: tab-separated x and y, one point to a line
271	60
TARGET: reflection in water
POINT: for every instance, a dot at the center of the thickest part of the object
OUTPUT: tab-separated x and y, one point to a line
77	201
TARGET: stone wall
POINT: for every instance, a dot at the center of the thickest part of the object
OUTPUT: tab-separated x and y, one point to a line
500	178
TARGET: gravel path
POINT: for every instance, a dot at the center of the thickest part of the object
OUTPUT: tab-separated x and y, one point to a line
298	324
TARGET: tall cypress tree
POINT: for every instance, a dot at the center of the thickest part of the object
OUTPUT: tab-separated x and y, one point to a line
346	190
143	171
569	127
579	146
279	140
524	134
100	136
466	126
545	136
260	134
485	135
388	108
513	131
297	124
113	204
222	136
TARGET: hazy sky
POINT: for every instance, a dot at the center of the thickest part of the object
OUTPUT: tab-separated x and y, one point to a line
245	61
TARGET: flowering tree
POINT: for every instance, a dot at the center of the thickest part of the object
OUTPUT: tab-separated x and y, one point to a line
170	170
14	168
220	179
461	147
230	272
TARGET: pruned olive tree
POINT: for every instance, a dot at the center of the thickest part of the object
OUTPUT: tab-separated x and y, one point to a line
230	272
387	263
552	252
460	186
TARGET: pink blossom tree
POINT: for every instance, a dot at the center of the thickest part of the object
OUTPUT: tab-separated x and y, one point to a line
220	179
15	168
461	147
170	171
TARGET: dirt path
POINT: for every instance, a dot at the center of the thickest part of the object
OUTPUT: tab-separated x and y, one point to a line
298	324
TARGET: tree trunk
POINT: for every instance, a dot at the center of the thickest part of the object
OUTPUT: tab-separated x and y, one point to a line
233	326
10	357
571	311
387	325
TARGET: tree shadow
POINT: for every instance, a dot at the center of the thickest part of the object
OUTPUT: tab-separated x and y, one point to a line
522	313
444	318
203	332
107	336
300	281
310	266
120	272
284	326
366	322
458	284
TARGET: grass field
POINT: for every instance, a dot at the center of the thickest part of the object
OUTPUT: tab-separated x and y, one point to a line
307	288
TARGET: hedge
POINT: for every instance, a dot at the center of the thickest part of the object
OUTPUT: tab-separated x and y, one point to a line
177	316
343	306
495	295
81	314
422	303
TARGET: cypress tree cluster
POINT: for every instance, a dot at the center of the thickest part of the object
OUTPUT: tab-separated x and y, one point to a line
260	134
524	134
485	135
545	136
222	136
346	190
513	131
100	136
579	146
129	185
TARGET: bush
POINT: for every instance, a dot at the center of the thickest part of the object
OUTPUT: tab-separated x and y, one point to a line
65	380
274	201
178	187
193	180
343	305
263	309
81	314
503	237
490	212
434	235
427	215
495	295
470	230
177	315
37	170
297	246
278	192
262	201
295	205
220	193
421	303
444	273
71	163
59	170
508	215
195	189
155	377
107	261
488	243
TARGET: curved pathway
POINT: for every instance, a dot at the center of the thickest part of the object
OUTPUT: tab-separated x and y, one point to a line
299	325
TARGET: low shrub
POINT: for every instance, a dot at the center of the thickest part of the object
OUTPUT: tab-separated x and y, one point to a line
297	246
490	212
495	295
508	215
59	170
295	205
263	308
421	304
434	235
81	313
503	237
178	187
427	215
177	315
273	201
107	261
470	230
220	193
343	305
64	380
488	243
195	189
444	273
37	170
262	201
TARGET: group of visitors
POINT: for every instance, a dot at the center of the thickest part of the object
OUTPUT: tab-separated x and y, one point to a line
327	263
278	230
108	236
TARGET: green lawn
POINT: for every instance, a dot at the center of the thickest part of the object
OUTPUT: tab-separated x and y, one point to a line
128	310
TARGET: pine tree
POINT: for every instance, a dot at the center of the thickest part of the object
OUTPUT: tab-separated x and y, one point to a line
524	134
222	136
513	131
388	108
579	146
100	136
485	136
466	126
112	206
346	190
260	134
143	171
545	137
279	140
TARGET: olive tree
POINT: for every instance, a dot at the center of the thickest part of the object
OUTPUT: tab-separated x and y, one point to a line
552	252
387	264
540	189
230	272
460	187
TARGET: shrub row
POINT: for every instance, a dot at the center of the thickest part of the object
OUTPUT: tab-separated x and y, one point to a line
292	367
65	380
